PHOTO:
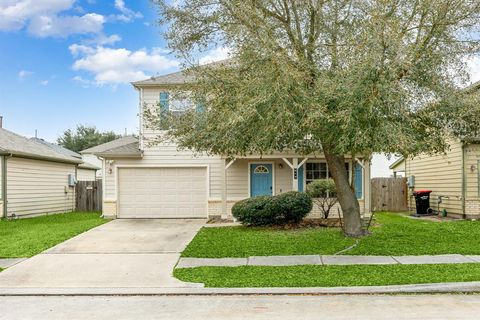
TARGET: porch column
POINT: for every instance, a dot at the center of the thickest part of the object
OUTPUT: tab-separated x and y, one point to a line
224	187
224	190
295	174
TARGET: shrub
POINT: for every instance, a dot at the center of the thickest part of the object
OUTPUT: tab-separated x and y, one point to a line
266	210
292	206
323	192
256	211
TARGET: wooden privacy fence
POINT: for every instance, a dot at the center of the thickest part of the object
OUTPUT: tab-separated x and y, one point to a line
88	196
389	194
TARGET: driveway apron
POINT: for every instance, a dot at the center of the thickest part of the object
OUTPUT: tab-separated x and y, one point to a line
124	253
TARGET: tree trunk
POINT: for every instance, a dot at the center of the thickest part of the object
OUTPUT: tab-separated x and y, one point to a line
345	194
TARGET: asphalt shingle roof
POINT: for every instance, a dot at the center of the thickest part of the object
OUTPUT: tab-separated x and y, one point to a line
124	146
169	79
15	144
175	78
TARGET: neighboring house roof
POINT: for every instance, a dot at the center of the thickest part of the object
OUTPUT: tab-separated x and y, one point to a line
89	166
397	163
14	144
127	146
58	148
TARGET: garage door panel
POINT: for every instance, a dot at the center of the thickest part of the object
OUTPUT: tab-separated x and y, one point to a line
162	192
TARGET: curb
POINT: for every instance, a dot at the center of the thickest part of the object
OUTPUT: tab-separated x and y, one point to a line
451	287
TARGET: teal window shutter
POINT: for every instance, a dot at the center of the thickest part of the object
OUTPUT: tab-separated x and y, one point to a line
358	181
300	178
164	97
200	107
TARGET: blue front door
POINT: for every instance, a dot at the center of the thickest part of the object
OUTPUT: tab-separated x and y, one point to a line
261	179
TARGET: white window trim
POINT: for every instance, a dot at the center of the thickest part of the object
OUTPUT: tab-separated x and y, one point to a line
328	171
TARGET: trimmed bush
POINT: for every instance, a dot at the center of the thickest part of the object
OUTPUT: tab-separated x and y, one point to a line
254	211
266	210
292	206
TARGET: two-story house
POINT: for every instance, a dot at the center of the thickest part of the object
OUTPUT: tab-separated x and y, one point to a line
158	181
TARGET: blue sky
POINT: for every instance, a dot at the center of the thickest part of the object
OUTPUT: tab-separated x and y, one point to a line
69	62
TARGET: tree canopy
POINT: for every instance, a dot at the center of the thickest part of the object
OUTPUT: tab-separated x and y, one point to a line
332	76
84	137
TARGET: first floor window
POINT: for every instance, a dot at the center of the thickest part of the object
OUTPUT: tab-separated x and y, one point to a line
319	170
315	171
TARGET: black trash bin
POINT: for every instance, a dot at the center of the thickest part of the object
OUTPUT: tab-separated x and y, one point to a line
422	202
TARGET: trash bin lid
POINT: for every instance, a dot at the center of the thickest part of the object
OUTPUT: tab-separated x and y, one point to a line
422	192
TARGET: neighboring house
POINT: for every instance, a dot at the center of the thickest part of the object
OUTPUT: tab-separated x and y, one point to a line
398	167
86	171
94	161
454	177
36	177
159	181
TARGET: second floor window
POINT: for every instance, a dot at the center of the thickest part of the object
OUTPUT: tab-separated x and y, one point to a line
177	104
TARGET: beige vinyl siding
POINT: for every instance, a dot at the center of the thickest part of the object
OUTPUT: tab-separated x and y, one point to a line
237	177
1	180
86	174
472	161
38	187
442	174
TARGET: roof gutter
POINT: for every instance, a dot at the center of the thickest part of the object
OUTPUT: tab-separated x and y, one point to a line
37	157
119	155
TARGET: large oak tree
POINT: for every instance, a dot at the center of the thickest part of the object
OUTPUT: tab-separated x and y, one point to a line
338	77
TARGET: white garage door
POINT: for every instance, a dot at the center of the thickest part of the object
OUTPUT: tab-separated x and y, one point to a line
162	192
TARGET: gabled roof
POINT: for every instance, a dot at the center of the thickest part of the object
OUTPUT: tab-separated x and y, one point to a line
127	146
58	148
396	163
176	78
168	79
14	144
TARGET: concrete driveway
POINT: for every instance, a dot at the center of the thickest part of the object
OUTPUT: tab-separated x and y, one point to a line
120	254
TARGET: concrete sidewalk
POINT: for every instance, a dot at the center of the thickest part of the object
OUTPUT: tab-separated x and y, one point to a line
325	260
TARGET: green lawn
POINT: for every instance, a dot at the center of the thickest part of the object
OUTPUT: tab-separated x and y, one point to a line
393	234
30	236
329	276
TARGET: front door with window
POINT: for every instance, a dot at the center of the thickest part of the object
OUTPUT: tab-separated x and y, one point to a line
261	179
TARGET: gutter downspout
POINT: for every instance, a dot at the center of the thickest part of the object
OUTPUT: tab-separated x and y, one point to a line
4	186
464	182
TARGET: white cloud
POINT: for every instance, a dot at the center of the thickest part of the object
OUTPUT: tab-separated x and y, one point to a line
81	81
22	74
111	66
127	14
63	26
102	39
44	82
44	18
15	14
214	55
